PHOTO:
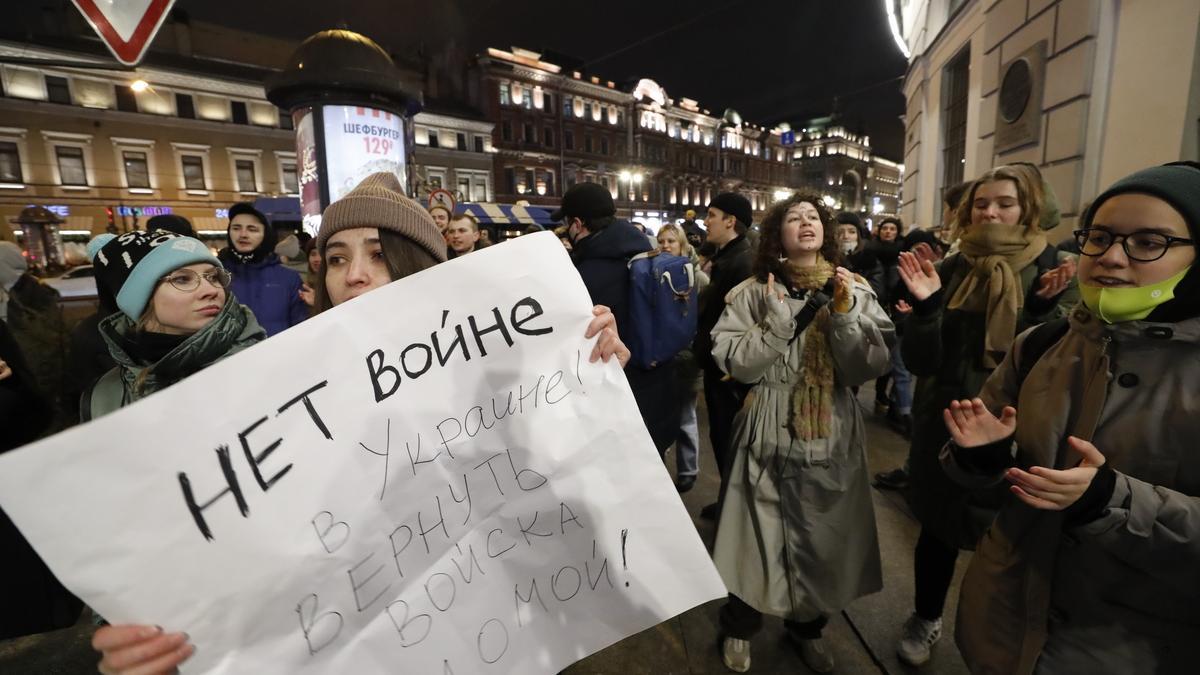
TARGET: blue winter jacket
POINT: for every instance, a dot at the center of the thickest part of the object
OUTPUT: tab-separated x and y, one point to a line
271	291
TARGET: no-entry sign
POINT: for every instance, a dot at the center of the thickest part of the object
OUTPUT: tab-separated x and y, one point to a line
126	26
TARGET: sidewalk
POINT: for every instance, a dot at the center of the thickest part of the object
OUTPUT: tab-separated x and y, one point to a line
862	639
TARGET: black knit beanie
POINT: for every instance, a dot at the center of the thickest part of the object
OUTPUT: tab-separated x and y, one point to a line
735	205
230	254
1178	184
171	223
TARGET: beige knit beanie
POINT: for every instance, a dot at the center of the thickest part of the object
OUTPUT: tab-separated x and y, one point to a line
379	201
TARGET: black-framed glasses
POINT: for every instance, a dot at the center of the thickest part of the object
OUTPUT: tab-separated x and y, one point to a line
1142	246
189	280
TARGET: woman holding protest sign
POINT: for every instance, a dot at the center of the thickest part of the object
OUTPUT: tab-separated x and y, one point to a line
370	237
797	534
375	235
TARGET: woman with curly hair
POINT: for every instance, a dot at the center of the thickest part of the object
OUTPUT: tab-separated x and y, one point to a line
797	534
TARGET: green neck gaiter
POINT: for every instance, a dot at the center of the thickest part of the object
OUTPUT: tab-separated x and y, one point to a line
1116	305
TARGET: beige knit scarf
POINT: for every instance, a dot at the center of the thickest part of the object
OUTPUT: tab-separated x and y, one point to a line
812	398
997	254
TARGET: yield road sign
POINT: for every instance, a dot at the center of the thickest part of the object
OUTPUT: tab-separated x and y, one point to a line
126	26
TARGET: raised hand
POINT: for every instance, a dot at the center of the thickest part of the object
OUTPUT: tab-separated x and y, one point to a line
843	285
308	295
904	308
140	650
1054	282
1052	489
924	251
971	424
5	371
919	276
775	299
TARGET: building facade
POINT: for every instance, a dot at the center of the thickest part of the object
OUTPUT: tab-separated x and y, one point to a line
453	151
837	163
1088	90
658	157
101	154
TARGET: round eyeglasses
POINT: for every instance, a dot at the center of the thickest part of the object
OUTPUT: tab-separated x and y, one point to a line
1144	246
189	280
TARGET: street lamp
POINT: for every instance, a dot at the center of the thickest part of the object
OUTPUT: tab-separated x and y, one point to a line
730	118
139	85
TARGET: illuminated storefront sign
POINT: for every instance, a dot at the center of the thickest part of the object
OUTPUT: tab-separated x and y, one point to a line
60	210
141	211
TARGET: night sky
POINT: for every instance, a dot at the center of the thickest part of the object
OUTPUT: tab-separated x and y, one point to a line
771	60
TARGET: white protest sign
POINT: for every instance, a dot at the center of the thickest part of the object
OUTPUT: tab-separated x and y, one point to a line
429	479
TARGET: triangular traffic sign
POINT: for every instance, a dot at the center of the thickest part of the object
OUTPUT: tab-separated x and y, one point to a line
126	26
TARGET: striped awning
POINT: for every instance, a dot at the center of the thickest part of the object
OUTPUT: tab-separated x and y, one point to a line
507	214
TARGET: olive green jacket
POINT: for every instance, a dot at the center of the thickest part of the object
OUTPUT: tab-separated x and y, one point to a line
233	330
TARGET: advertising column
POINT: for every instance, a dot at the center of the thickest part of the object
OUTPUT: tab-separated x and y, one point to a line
344	143
359	142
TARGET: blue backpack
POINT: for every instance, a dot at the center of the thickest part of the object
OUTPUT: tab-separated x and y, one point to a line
662	307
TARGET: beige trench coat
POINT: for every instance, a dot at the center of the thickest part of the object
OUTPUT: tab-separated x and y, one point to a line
797	532
1120	594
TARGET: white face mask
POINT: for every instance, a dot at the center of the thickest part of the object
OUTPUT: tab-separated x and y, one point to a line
848	247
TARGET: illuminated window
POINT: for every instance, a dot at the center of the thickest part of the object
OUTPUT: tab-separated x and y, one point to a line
505	94
10	163
137	171
193	172
290	183
538	98
71	170
245	175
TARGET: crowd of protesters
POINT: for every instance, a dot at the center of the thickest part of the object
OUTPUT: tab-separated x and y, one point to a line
1047	393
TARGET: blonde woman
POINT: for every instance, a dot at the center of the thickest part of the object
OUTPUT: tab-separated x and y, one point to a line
672	240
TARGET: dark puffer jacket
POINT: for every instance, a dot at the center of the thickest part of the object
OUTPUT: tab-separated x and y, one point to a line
602	260
270	290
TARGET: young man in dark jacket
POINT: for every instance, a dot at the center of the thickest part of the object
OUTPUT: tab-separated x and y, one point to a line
728	220
601	248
